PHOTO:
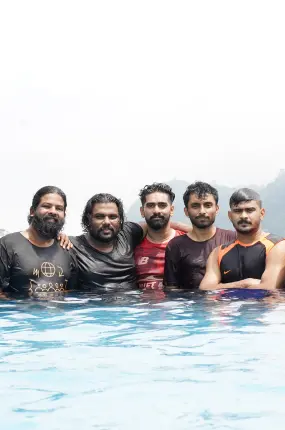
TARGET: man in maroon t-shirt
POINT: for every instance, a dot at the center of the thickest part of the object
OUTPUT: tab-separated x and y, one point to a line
157	209
186	256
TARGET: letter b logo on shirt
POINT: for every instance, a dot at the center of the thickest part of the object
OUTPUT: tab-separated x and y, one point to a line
143	260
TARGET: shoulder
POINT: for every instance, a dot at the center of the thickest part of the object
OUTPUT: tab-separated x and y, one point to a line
132	226
132	229
227	235
11	238
77	240
272	241
179	233
274	238
176	241
227	245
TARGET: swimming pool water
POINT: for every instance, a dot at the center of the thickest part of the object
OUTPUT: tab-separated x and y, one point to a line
175	363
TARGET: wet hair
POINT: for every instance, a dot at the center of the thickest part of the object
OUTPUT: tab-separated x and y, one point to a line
201	189
100	198
49	189
244	195
154	188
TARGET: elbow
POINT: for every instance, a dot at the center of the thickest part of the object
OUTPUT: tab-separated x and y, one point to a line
208	287
204	287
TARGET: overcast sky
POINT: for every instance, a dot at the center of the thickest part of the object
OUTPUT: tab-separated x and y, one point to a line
107	96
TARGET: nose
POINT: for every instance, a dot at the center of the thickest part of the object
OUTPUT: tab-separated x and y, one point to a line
52	210
106	220
202	210
156	210
244	215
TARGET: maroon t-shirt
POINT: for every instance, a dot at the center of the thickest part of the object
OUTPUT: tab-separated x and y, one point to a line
185	259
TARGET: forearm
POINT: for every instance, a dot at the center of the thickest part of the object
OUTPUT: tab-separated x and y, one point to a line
244	283
180	226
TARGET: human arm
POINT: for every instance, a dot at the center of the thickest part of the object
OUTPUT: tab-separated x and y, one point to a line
5	267
73	278
212	278
181	226
170	277
64	241
274	275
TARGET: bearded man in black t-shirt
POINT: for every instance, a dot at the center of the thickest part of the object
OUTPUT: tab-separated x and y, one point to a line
105	252
32	262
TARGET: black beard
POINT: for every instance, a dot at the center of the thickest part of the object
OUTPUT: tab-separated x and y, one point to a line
157	223
97	235
249	231
202	226
45	228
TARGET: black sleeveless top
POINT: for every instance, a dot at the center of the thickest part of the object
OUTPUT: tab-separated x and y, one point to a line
240	261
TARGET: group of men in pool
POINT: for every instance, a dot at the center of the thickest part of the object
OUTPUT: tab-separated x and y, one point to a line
116	255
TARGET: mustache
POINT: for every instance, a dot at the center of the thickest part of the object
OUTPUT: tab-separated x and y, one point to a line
202	217
157	216
244	222
106	228
49	216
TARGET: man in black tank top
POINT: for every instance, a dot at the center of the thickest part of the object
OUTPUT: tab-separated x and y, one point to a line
255	260
186	256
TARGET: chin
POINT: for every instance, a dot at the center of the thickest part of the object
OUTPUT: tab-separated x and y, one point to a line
245	231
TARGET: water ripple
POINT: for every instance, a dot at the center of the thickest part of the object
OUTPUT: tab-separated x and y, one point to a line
180	364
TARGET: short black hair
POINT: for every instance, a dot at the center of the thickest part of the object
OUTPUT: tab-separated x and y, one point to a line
156	187
201	189
244	195
101	198
49	189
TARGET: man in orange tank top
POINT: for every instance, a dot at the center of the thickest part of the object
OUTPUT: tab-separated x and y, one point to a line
255	260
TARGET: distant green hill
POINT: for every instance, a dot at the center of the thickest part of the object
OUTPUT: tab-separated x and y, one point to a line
272	197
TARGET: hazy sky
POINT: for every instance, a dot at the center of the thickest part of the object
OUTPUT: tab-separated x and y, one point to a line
107	96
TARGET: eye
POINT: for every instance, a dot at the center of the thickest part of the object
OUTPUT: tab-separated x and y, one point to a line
113	217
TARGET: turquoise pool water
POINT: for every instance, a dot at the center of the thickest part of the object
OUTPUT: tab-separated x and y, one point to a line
142	363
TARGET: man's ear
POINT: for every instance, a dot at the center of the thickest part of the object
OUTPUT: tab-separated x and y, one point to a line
186	212
262	213
230	215
171	210
217	209
142	212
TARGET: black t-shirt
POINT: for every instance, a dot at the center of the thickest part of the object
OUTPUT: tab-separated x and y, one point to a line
29	270
108	271
185	259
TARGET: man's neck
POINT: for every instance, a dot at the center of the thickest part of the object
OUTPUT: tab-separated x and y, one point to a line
250	238
162	235
202	234
100	246
36	239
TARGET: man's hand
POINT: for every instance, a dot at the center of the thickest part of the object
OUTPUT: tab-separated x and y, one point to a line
64	241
